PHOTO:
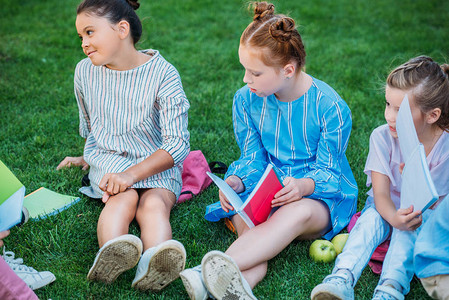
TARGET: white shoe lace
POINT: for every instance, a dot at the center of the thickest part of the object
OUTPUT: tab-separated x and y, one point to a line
337	280
383	296
16	263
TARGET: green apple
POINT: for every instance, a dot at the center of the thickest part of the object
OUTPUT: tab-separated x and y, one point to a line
339	241
322	251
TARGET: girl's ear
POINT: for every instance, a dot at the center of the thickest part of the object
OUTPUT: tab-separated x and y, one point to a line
433	115
289	70
123	29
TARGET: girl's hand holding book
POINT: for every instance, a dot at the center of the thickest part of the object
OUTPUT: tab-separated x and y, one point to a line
237	185
294	190
407	219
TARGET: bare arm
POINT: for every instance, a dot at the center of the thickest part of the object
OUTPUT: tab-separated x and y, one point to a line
70	161
403	219
73	161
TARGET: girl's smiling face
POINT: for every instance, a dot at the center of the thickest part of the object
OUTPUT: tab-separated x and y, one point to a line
262	80
99	39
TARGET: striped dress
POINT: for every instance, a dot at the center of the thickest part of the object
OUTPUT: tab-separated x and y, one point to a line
125	116
305	138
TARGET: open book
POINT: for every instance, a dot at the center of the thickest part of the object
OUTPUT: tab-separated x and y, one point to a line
12	192
417	187
257	207
44	202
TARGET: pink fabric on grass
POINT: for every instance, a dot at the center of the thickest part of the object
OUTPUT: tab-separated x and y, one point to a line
194	177
11	286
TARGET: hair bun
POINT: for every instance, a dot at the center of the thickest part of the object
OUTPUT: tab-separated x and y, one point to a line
445	68
282	29
134	3
262	10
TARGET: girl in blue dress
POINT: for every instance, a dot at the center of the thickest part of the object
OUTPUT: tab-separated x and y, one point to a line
300	125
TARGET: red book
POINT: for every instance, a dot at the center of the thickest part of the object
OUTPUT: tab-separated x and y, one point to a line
257	207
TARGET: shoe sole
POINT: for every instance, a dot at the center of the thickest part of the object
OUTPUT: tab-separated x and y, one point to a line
222	277
163	268
116	258
325	296
192	285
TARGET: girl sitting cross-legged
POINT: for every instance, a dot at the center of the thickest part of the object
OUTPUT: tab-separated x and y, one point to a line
300	125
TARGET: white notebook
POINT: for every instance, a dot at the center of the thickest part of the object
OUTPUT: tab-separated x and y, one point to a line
417	187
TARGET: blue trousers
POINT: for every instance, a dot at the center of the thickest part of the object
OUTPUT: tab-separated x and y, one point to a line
368	233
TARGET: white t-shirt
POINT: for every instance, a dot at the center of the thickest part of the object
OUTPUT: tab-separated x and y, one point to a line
385	156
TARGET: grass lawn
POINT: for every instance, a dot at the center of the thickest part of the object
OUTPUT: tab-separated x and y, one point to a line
352	45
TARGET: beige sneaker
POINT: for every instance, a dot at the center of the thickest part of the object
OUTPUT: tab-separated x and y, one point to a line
223	278
159	266
115	257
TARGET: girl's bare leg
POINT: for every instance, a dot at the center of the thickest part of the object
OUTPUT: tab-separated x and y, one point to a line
117	214
304	219
153	216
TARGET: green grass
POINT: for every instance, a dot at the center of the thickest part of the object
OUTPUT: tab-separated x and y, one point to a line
352	45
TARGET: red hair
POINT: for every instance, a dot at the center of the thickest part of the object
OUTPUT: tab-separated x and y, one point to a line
276	35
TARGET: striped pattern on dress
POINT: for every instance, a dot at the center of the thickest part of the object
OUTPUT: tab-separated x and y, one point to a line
307	137
125	116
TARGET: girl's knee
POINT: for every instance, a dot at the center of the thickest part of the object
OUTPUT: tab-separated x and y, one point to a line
156	200
311	212
372	216
124	200
152	205
308	219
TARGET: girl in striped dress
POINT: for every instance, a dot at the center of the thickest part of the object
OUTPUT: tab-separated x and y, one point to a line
301	126
133	116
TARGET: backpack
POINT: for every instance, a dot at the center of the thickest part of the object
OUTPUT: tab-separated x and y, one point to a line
194	177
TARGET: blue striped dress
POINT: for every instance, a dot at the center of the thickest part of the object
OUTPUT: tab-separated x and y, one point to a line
125	116
305	138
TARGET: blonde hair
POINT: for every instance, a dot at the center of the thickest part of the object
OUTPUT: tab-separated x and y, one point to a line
429	84
276	35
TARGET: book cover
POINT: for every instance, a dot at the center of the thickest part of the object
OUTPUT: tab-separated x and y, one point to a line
257	207
12	192
44	202
417	187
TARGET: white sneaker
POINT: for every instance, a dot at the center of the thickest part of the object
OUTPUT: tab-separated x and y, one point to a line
386	292
334	287
115	257
193	283
159	266
34	279
223	278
